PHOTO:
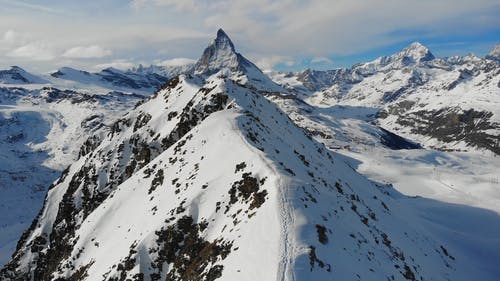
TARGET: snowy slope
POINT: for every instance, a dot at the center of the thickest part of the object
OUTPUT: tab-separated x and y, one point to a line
209	180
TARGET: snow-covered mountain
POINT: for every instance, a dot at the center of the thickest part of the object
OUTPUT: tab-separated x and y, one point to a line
448	104
221	58
494	54
113	78
17	75
210	179
165	70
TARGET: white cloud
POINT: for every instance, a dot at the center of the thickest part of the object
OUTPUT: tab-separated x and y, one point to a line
321	60
177	62
34	7
269	62
322	27
85	52
10	36
183	5
35	51
138	4
118	64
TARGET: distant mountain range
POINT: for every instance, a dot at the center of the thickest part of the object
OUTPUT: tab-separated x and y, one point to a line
443	103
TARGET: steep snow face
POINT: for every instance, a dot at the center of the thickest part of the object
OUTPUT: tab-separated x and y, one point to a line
211	180
17	75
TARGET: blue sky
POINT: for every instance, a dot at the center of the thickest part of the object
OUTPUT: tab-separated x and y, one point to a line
286	35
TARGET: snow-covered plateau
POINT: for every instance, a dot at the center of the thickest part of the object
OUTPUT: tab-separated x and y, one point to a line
217	171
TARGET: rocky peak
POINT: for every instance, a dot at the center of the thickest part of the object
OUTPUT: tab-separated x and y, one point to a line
222	40
415	52
219	54
411	55
17	68
494	54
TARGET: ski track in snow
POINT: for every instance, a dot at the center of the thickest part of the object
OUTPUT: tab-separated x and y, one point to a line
287	218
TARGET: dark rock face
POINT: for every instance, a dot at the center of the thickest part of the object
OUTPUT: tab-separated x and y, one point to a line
315	80
191	116
247	189
394	141
453	125
14	76
17	75
218	54
191	256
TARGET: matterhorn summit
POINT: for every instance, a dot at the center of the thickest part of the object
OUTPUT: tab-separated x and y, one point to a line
218	55
221	57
